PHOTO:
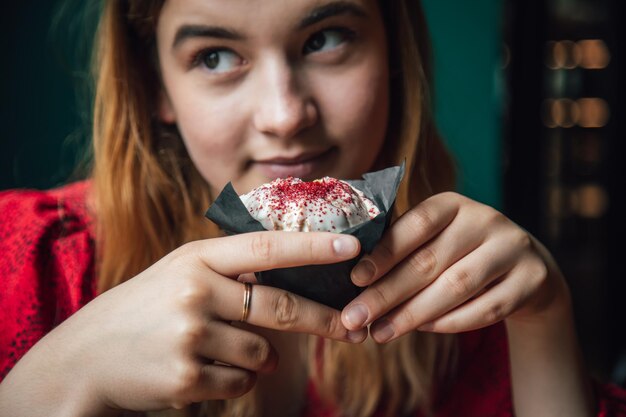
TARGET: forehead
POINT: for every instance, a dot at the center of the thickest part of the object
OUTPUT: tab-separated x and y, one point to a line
249	15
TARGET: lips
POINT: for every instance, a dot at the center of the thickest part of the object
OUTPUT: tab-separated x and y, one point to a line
303	165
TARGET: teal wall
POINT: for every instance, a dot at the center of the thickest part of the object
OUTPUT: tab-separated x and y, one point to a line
467	42
44	104
44	117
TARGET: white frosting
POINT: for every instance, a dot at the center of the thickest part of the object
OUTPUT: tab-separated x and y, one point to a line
325	205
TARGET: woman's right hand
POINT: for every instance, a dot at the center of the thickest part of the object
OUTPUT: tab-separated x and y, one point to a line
161	339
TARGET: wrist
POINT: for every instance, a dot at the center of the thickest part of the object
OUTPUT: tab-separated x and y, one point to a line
552	302
42	384
548	372
554	310
68	370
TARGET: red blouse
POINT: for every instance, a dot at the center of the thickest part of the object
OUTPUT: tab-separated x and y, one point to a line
47	273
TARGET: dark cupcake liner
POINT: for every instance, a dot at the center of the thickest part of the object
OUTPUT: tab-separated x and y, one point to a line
328	284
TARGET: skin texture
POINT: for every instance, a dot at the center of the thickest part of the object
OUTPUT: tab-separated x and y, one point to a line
308	101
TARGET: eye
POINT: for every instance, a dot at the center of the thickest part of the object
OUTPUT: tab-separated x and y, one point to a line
218	60
327	40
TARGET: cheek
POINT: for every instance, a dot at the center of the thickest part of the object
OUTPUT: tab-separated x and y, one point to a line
209	129
367	109
356	111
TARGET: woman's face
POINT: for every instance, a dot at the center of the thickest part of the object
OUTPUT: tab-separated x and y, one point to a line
262	89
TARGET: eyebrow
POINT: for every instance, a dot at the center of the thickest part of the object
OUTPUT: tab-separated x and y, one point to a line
316	15
200	31
336	8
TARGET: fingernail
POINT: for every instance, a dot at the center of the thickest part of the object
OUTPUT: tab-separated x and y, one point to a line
363	272
357	336
382	331
344	245
356	315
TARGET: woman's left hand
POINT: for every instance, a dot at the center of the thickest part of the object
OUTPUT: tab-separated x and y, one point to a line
451	265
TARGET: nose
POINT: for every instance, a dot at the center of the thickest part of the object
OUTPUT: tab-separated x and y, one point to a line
284	107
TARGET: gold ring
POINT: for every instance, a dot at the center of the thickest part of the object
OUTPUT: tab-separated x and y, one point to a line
247	296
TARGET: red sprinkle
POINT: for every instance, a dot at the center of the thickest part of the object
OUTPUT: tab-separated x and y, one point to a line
290	190
322	198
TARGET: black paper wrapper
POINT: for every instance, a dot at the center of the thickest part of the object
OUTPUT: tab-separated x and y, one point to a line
328	284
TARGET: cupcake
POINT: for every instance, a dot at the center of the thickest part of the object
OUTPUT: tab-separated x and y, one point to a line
361	208
324	205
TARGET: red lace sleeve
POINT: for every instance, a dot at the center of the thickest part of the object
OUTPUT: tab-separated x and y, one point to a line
46	265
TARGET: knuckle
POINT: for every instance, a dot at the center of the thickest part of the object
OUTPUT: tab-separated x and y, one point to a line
235	387
258	351
262	246
459	282
187	376
190	293
285	310
423	262
312	249
191	333
454	197
179	258
331	324
495	312
379	294
449	194
495	218
522	239
420	221
188	250
184	249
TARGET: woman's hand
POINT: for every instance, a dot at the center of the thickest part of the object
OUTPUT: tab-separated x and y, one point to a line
451	265
164	338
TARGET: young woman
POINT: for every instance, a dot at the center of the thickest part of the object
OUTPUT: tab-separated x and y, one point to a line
117	294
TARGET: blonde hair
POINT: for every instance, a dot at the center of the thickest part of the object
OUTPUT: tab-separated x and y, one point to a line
149	198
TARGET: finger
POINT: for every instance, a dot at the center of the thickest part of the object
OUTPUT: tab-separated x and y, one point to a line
414	273
212	382
261	251
515	293
278	309
410	231
457	284
492	306
238	347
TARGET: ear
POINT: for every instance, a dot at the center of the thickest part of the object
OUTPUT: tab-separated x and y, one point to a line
166	110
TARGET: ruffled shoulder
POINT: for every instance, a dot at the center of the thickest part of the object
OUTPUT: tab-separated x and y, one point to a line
46	264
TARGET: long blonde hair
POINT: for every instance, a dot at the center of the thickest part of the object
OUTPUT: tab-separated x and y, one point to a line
149	198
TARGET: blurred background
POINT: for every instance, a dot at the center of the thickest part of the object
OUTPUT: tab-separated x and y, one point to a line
530	96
